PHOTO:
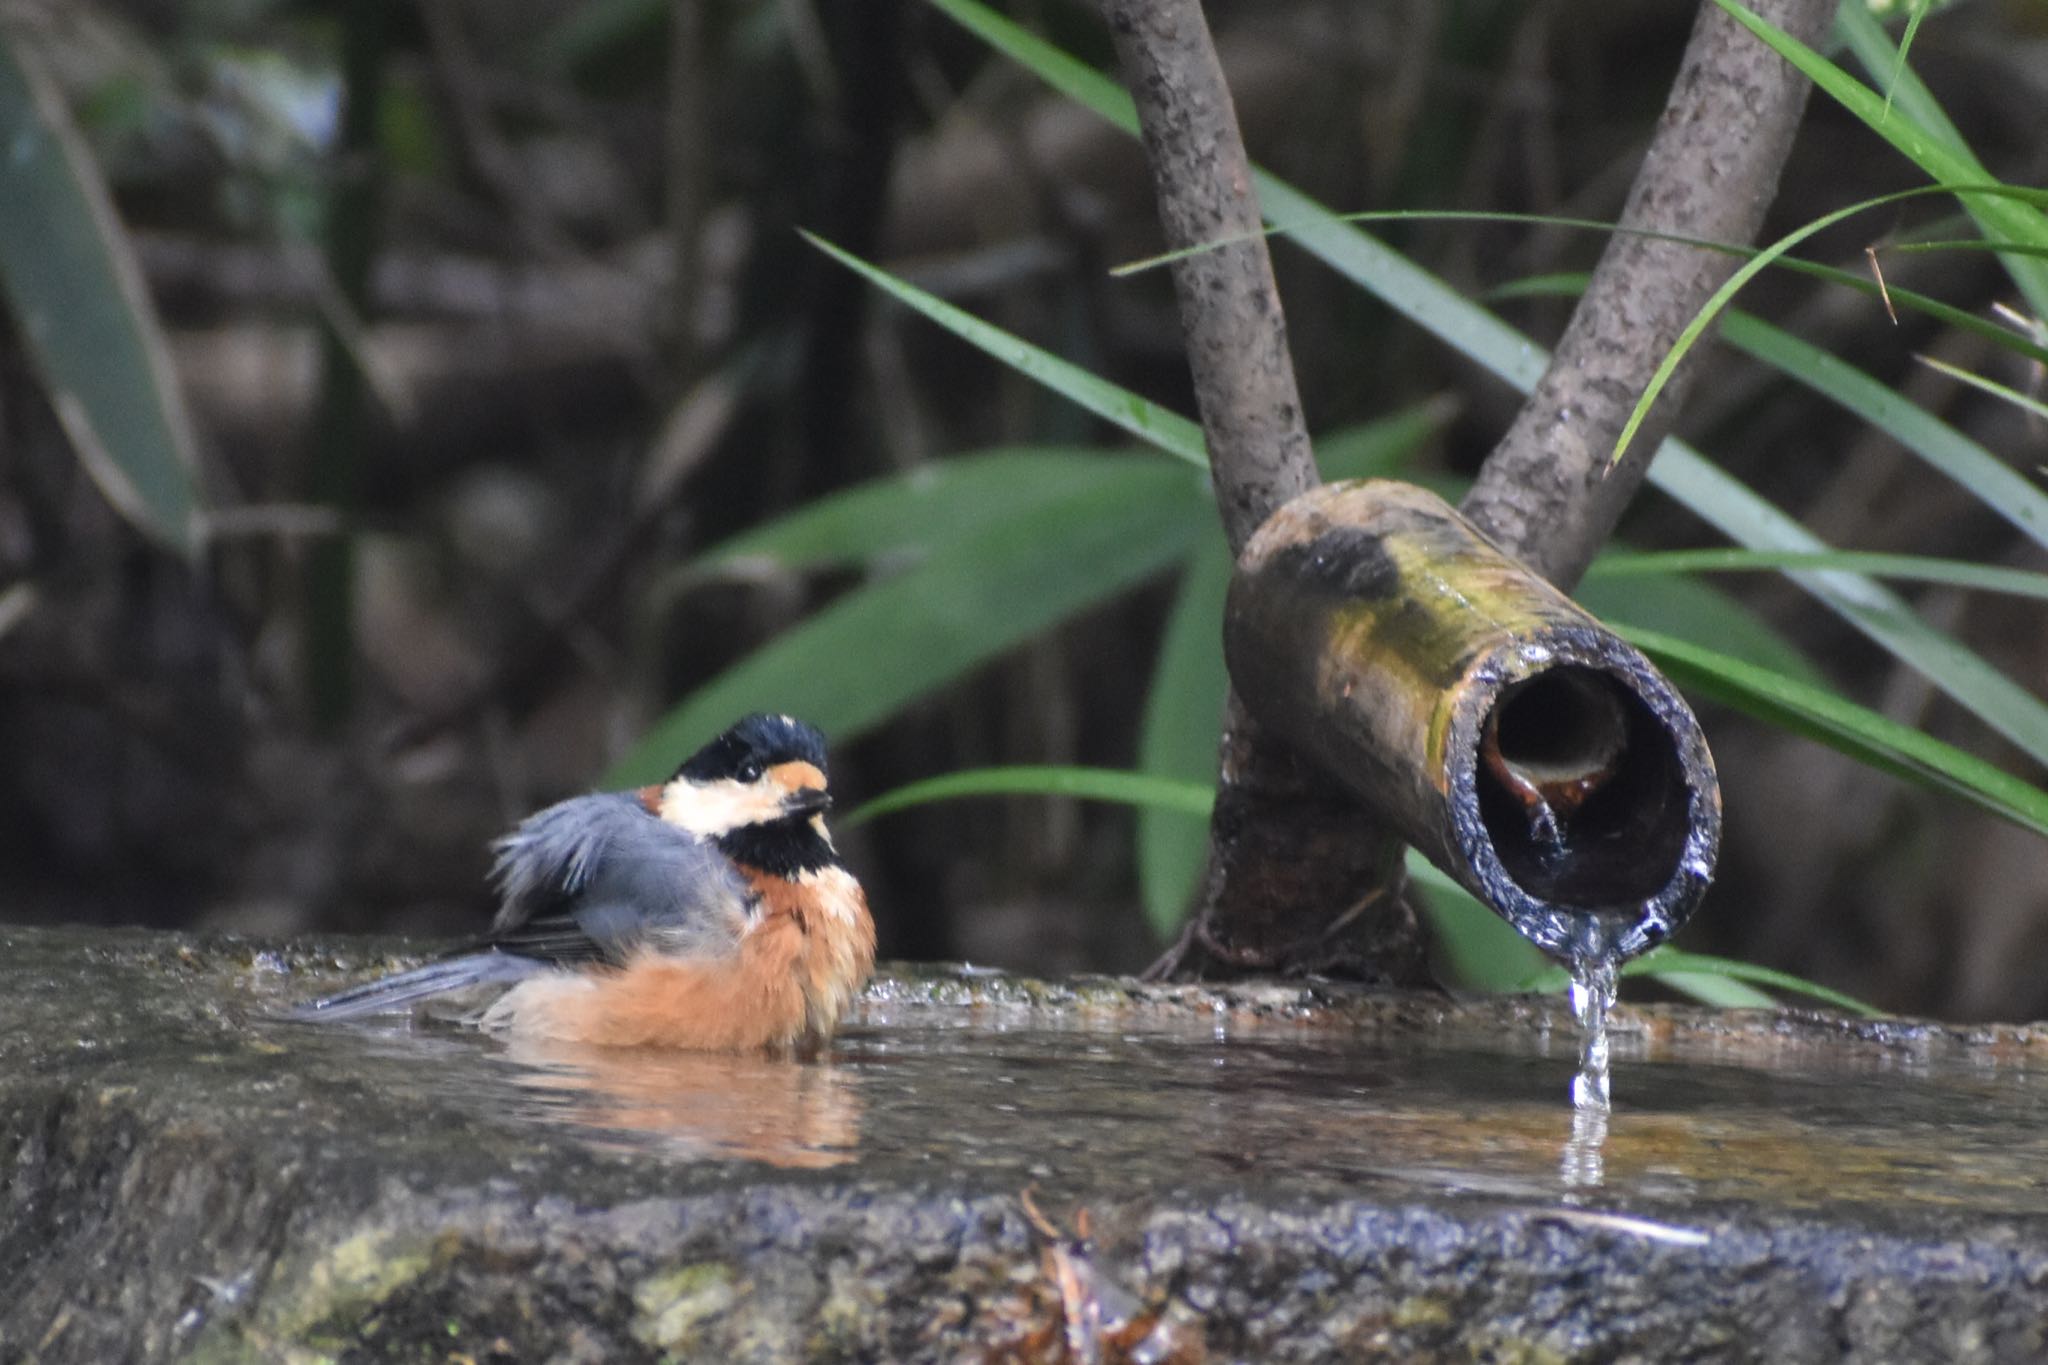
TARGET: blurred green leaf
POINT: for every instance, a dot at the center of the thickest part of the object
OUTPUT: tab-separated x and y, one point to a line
83	311
1879	613
912	513
1148	421
1475	948
1384	448
1181	732
1914	14
589	31
1861	733
885	644
1677	605
1724	993
1715	981
1188	799
1954	573
2001	488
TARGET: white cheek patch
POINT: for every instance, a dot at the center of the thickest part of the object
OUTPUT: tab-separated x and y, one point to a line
710	809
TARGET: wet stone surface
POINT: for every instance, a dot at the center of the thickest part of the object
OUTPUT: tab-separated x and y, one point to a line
1268	1173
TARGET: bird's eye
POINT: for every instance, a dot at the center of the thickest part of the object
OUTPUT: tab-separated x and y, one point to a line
750	771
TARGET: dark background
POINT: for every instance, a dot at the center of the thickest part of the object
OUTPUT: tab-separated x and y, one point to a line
563	414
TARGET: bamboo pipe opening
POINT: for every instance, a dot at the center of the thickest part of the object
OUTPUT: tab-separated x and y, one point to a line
1580	790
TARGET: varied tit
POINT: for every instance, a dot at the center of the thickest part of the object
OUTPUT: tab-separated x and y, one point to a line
710	912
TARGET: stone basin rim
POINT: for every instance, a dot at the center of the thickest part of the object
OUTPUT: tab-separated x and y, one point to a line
284	970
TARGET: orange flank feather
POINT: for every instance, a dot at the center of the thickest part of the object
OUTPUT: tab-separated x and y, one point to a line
784	987
650	799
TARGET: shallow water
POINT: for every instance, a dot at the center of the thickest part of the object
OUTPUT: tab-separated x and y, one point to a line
1305	1108
1109	1086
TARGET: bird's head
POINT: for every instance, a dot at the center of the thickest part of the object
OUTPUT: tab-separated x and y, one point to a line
758	790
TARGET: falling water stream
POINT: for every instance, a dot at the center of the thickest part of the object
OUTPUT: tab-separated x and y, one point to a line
1592	998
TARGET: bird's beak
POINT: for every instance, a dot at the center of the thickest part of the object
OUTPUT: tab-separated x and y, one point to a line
807	801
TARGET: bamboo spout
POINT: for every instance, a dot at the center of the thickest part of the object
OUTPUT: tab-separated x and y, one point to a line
1522	746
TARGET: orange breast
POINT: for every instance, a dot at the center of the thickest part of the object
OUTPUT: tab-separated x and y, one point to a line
785	986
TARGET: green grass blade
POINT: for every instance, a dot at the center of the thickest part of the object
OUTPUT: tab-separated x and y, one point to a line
1861	733
1991	386
1690	972
1190	800
1181	731
1905	92
883	645
1674	604
2001	488
1475	949
1569	284
1749	270
1721	992
1667	962
1954	573
1941	157
1547	220
1879	613
84	313
1914	14
1148	421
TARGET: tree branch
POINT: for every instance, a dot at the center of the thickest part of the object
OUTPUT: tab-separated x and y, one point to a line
1229	307
1299	877
1549	493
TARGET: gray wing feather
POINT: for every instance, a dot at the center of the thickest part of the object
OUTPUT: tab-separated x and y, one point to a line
622	875
403	990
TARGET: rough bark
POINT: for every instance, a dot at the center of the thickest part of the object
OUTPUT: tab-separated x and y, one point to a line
1299	878
1229	306
1550	493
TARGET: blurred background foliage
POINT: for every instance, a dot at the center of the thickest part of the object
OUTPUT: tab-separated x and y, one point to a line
412	411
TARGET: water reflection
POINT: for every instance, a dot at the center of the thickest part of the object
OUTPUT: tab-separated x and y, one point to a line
803	1115
1088	1104
1585	1152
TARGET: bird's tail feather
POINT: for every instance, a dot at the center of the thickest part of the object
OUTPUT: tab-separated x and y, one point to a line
402	990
